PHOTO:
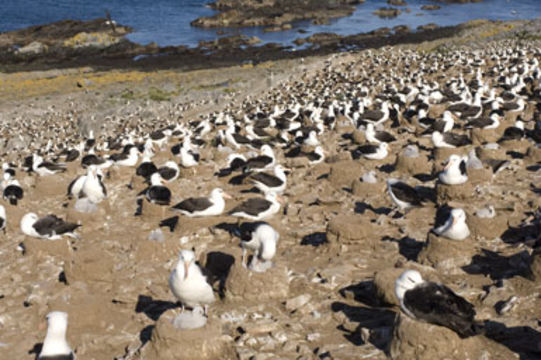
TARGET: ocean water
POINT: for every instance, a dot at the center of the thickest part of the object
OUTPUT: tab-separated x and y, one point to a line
167	22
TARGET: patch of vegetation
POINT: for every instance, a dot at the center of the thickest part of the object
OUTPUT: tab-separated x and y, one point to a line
156	94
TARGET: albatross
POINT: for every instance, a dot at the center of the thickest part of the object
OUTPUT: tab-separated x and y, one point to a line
260	238
435	304
55	346
189	284
454	172
204	206
49	227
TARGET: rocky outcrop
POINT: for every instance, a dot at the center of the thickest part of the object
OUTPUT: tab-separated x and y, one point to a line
241	13
387	12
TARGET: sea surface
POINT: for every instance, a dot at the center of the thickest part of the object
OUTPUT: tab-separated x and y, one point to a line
167	22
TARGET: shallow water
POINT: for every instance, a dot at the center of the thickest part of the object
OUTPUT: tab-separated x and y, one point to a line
167	22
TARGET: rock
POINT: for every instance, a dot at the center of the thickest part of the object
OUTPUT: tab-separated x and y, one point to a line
478	176
207	343
245	285
34	48
343	173
321	21
98	40
488	228
397	2
297	302
401	29
384	281
446	255
430	7
387	12
353	229
430	26
413	165
365	189
413	339
447	193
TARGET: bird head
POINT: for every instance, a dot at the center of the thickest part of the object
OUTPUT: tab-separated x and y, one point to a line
407	281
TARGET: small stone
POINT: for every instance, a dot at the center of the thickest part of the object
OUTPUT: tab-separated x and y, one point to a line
297	302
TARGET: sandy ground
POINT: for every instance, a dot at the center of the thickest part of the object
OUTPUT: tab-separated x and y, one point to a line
317	301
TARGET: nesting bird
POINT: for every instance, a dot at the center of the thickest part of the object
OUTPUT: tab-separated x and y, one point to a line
435	303
49	227
454	172
455	227
204	206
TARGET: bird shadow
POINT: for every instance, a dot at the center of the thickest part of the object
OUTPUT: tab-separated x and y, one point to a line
520	234
361	207
170	223
153	308
497	266
219	265
36	350
375	326
145	334
523	340
407	247
315	239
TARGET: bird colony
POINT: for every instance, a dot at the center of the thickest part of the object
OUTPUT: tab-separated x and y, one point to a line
385	204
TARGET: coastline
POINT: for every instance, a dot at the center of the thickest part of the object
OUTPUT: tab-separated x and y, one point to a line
93	43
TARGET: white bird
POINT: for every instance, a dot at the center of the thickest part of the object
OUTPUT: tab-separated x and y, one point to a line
188	283
262	239
55	345
188	158
454	172
126	159
93	188
270	183
373	152
434	303
455	227
204	206
48	227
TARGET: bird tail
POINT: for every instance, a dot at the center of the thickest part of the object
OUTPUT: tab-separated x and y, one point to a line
13	201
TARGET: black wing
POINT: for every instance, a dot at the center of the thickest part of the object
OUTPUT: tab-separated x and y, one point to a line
194	204
437	304
259	162
167	173
248	228
159	195
267	179
13	193
253	206
57	357
52	224
406	193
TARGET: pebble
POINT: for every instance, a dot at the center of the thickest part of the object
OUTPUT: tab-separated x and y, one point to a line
297	302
